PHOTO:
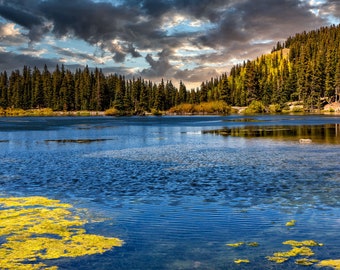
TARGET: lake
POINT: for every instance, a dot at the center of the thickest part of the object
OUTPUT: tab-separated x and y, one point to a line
178	189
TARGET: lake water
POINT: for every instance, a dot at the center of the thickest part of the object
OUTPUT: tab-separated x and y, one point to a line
176	192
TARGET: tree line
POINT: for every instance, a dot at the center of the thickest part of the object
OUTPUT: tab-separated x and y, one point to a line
305	68
85	89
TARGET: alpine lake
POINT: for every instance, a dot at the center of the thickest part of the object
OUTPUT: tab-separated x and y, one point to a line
179	192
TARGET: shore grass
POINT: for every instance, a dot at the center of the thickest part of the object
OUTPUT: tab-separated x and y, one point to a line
214	107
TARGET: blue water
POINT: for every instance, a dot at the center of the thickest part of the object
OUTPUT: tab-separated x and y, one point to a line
175	194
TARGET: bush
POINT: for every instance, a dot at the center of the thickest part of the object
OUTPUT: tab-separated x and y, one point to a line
274	108
184	108
255	107
40	112
214	107
112	112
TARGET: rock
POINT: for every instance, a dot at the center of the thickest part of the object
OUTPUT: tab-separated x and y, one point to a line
305	141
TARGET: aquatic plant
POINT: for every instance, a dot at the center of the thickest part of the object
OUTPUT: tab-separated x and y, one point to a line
295	251
36	229
238	244
310	243
291	223
238	261
305	261
330	263
277	259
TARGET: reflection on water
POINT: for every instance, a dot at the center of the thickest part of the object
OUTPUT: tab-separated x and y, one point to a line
328	133
177	194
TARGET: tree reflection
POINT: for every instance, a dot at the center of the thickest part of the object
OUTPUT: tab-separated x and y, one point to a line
328	133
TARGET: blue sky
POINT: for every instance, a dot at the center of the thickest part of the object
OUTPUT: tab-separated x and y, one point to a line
188	40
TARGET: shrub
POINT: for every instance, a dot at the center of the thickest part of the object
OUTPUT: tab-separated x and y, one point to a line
112	112
255	107
274	108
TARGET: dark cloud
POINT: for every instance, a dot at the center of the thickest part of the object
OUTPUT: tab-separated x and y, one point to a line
11	61
238	29
158	68
197	74
19	16
331	7
72	54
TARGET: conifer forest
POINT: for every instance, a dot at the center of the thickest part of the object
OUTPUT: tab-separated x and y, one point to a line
305	68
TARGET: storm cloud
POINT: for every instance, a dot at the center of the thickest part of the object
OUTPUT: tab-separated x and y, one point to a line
174	39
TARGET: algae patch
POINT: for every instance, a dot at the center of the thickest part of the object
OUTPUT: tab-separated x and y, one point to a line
335	264
36	229
239	261
291	223
238	244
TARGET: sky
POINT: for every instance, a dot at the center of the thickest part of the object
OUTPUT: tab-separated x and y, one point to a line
178	40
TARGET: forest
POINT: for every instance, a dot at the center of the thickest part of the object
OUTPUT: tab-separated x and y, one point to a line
304	68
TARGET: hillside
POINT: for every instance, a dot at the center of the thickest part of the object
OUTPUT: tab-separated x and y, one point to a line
305	68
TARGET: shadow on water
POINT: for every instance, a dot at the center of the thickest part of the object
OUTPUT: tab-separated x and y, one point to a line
328	133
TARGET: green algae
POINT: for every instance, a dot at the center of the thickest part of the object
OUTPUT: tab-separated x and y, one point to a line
37	229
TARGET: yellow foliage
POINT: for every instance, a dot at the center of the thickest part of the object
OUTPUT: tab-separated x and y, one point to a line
112	112
213	107
335	264
38	228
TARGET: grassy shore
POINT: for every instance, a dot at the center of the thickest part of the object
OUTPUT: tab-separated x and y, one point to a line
208	108
46	112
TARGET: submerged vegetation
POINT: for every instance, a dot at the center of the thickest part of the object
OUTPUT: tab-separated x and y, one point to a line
301	251
35	230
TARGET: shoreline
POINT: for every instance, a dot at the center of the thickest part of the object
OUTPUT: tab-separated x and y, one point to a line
237	110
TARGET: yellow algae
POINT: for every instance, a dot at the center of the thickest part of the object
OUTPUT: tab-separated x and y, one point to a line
38	228
31	201
305	261
335	264
238	244
291	223
308	243
238	261
277	259
295	251
253	244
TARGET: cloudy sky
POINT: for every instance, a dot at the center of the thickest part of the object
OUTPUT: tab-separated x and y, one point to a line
188	40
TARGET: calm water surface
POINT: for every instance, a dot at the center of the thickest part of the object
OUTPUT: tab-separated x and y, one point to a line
177	194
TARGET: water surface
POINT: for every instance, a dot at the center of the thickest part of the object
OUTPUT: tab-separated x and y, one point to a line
177	193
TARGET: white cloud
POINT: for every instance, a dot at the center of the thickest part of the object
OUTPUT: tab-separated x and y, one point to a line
9	29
